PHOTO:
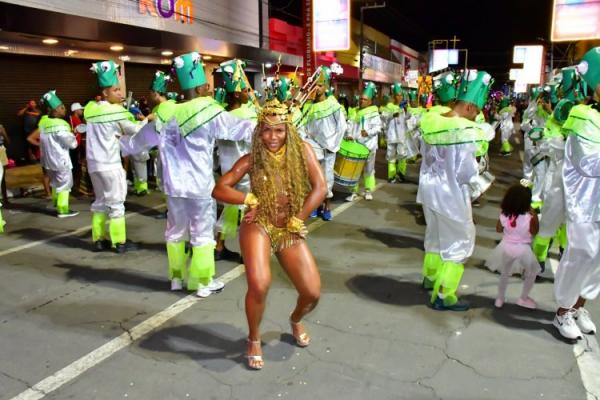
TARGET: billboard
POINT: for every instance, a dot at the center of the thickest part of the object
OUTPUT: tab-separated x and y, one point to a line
331	25
441	59
532	58
575	20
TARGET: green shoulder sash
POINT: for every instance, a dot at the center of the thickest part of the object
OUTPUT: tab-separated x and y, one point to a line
440	130
584	122
53	125
98	113
195	113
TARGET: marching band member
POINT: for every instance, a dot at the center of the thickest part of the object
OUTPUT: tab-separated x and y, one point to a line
364	128
323	127
107	120
448	168
578	276
505	115
230	151
186	146
393	118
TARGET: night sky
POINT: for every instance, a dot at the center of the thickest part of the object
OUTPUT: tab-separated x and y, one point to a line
487	28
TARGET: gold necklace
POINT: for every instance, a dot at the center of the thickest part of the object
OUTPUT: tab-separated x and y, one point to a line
278	155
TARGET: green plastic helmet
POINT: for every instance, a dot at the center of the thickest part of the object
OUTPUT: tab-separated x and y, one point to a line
107	73
282	89
51	100
190	70
220	95
562	110
475	87
160	82
589	68
370	90
444	86
571	85
397	89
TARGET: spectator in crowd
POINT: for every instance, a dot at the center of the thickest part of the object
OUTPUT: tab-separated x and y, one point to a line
31	116
78	126
4	140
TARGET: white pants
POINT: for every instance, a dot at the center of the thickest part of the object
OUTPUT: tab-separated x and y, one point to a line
553	210
539	178
192	219
505	134
453	240
110	190
61	181
395	152
327	160
578	273
370	165
140	170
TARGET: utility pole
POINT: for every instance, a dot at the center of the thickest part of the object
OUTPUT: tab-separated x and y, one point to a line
360	47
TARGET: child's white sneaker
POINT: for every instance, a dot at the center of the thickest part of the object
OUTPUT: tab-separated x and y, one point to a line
176	284
566	325
368	196
584	321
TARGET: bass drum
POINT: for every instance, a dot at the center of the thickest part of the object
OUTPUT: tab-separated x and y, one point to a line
350	162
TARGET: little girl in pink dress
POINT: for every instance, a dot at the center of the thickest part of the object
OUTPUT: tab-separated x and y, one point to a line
519	223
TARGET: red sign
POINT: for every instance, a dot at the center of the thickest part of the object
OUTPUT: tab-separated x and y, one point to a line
309	57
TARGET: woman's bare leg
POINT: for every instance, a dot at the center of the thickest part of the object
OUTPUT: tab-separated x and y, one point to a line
256	251
299	264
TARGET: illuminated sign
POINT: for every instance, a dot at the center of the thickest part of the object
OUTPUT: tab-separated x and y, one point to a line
179	10
575	20
331	25
532	58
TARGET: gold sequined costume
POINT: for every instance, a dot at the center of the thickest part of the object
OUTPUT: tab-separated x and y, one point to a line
279	180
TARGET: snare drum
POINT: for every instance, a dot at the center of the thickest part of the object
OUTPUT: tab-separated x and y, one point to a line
349	163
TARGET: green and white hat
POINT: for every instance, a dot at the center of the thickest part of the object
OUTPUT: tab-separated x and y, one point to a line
504	102
220	94
324	76
475	87
589	68
572	85
536	91
412	94
160	82
172	95
397	89
282	89
51	100
233	71
385	99
370	90
107	73
444	86
551	92
190	70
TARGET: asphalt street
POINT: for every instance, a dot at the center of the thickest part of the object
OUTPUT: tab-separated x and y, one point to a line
373	335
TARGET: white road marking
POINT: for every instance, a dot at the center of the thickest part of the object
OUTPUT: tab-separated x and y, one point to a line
29	245
95	357
587	353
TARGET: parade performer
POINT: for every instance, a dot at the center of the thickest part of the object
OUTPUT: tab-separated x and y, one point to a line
287	183
415	112
55	141
353	109
107	120
323	127
535	145
448	168
529	121
505	115
394	118
552	222
518	223
230	151
577	279
364	129
186	145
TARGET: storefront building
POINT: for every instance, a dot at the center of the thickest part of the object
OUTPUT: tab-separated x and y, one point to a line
42	50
